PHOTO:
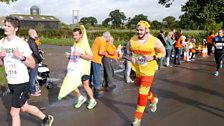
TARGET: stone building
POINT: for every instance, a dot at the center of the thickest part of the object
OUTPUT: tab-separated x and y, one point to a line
36	20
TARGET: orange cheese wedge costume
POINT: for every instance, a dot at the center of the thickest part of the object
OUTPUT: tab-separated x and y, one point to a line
144	69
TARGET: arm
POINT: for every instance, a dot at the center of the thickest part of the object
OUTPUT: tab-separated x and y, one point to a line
2	55
111	50
35	50
102	49
1	62
159	49
131	54
28	61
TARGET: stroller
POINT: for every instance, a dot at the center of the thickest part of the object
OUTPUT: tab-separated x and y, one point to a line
43	74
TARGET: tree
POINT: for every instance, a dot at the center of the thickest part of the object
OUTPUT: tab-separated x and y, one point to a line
106	22
7	1
136	19
166	3
88	20
117	18
92	21
156	24
169	22
203	12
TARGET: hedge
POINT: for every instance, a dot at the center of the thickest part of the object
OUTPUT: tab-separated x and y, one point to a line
118	34
3	81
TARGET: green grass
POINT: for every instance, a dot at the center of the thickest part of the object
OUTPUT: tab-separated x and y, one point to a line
3	81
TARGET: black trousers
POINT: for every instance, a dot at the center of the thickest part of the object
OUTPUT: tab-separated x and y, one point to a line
218	59
210	48
108	67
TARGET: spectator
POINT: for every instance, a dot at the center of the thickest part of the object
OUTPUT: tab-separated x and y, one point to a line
127	71
109	61
98	49
36	55
161	37
210	43
169	46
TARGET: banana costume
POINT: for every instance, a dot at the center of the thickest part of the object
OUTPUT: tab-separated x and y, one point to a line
77	66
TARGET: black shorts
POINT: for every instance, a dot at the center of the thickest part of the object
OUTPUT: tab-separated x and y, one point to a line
85	77
20	94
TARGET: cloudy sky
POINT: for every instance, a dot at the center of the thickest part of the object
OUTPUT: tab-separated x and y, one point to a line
100	9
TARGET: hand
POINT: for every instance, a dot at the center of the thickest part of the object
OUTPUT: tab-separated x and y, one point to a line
2	54
76	53
119	47
133	60
17	54
149	58
67	54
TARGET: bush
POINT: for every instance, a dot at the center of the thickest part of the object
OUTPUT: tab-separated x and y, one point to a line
3	81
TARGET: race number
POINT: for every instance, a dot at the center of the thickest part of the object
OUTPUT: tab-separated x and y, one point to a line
141	60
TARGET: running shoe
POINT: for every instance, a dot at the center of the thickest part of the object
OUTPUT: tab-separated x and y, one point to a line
81	100
92	104
49	121
153	106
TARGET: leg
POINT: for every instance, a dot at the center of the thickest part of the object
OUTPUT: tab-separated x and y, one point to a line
77	92
109	70
33	77
85	82
14	112
105	67
80	100
179	55
144	87
33	110
88	89
175	55
128	72
96	75
218	59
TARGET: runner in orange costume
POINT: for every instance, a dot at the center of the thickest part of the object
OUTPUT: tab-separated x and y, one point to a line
145	49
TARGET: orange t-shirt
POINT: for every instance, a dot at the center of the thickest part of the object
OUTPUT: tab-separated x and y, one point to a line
111	51
210	38
99	45
178	42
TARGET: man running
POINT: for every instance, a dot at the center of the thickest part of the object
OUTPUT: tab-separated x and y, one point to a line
16	56
219	50
145	49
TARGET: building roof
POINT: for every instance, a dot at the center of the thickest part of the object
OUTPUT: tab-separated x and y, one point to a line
35	7
35	17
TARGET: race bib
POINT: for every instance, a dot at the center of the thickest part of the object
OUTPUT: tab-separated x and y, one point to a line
11	70
141	60
219	45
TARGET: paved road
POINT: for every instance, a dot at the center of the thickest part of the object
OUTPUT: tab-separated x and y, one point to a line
189	95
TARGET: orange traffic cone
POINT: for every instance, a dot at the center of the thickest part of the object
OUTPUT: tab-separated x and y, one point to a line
203	53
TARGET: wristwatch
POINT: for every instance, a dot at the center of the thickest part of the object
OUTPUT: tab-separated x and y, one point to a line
154	57
24	59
